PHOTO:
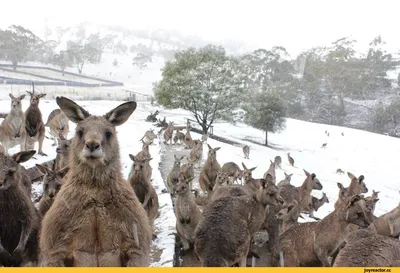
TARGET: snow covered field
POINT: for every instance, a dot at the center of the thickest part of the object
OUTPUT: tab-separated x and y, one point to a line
373	155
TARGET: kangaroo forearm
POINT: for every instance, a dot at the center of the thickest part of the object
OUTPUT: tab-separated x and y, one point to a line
146	200
25	232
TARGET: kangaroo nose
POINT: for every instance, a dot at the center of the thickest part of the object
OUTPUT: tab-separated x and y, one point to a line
92	146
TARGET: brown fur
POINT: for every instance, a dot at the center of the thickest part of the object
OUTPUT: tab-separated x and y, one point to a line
231	190
143	189
34	126
286	181
96	218
149	136
18	217
367	249
58	124
221	180
301	194
187	213
63	150
288	215
278	161
188	138
188	171
249	181
224	233
179	136
317	203
12	129
311	244
196	153
290	159
341	195
209	171
52	182
357	186
246	151
172	178
388	224
271	171
233	171
168	133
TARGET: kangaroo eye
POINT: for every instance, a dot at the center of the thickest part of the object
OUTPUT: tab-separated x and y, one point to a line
108	135
80	133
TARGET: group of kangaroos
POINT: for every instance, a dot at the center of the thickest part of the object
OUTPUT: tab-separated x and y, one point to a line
90	215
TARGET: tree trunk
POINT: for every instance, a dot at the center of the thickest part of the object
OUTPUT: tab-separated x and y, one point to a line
204	127
266	138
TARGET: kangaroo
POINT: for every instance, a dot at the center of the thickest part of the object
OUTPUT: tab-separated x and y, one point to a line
290	159
62	151
233	171
365	248
188	138
179	136
371	200
168	133
149	136
223	236
187	213
188	171
209	171
12	129
317	203
286	181
52	182
278	161
249	181
96	218
221	180
143	189
311	243
34	126
271	171
339	171
18	217
357	186
196	154
172	178
302	194
387	224
246	151
152	117
288	215
58	124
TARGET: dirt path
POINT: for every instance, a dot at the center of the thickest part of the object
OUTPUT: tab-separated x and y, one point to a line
189	258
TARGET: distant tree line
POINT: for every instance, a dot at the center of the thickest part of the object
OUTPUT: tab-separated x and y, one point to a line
318	85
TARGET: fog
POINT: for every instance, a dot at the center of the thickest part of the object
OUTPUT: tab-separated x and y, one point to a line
296	25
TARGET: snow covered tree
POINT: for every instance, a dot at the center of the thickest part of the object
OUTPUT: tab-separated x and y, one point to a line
62	60
15	44
266	111
201	81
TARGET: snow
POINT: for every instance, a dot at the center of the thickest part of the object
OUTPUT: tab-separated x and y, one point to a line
358	152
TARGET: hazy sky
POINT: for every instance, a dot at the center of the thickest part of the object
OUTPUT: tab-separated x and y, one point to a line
294	24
